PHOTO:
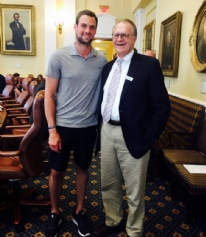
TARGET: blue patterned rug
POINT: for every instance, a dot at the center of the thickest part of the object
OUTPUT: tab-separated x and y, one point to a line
164	217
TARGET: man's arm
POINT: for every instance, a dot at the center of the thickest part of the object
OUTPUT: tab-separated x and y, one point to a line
50	111
160	100
23	31
11	26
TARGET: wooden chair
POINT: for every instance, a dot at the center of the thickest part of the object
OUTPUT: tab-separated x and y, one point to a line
20	115
20	101
8	91
26	162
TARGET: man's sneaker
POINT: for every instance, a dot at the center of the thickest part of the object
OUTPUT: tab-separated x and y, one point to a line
53	225
80	220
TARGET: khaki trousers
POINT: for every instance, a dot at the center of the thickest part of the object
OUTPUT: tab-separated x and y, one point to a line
118	167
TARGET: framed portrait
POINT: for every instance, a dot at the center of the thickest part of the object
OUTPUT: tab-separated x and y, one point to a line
170	44
149	34
197	40
17	29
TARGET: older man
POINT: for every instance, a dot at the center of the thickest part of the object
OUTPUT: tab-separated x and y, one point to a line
134	107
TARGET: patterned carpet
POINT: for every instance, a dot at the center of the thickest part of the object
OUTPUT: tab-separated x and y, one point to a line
164	217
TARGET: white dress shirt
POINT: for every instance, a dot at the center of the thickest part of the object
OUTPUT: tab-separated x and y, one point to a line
124	69
17	23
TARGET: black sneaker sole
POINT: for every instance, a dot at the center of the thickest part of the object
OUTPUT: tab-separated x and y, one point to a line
83	235
60	221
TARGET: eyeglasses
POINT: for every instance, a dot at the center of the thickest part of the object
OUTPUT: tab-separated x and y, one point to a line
122	36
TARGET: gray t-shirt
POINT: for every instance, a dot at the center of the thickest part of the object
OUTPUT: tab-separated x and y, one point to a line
79	85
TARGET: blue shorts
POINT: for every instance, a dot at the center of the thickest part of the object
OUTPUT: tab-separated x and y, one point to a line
81	140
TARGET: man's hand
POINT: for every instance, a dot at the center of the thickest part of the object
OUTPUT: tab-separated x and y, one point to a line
54	140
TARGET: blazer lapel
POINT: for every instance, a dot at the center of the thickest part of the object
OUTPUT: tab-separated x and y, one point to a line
133	67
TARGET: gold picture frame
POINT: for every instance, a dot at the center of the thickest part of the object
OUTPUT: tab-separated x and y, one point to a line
105	47
170	44
197	40
17	29
149	36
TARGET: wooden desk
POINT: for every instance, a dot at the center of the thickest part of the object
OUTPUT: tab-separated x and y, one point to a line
2	116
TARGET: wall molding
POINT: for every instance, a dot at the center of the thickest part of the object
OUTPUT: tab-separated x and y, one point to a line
106	23
189	99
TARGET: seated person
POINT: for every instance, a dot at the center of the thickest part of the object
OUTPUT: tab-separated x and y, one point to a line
40	79
17	83
32	77
150	52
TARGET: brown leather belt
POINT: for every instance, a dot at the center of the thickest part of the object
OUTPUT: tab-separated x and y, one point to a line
114	122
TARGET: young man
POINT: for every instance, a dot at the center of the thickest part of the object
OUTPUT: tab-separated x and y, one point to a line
135	107
71	94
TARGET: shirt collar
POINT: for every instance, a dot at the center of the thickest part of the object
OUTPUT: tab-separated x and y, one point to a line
74	51
128	56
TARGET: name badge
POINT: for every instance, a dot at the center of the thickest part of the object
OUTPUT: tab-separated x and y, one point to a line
129	78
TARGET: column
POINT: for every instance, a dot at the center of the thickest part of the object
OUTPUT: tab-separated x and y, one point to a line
50	29
140	22
70	15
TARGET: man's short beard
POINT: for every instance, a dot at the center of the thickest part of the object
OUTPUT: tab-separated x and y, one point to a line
83	42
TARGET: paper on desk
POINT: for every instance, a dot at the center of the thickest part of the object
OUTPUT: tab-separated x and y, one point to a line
10	43
196	169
